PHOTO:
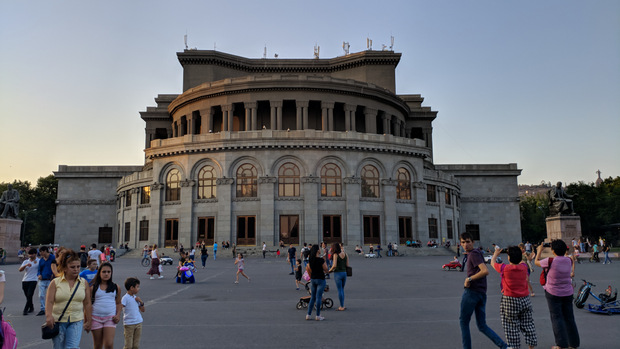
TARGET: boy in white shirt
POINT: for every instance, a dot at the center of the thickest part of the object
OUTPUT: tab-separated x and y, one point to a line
132	319
29	281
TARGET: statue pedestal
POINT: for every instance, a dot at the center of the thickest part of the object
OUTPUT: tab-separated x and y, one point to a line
10	230
565	228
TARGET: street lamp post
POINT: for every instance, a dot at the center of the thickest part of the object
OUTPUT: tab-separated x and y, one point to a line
23	236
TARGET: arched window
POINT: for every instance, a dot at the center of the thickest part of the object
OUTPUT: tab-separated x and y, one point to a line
206	183
288	180
173	187
370	182
403	188
246	181
331	180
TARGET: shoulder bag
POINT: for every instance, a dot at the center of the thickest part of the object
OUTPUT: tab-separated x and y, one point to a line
51	332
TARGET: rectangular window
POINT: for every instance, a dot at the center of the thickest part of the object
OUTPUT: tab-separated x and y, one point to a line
289	229
144	230
431	193
127	231
372	230
145	195
332	229
246	230
404	229
206	229
172	233
105	235
432	228
448	197
474	230
128	198
450	229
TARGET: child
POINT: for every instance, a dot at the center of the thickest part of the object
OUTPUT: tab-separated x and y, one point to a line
89	274
278	253
298	274
106	298
132	318
240	266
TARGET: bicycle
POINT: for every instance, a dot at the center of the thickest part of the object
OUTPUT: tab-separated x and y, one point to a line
607	300
594	258
146	261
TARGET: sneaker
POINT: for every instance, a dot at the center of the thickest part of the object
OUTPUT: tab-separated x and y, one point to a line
308	317
236	282
152	278
42	312
297	288
25	312
319	318
291	273
161	277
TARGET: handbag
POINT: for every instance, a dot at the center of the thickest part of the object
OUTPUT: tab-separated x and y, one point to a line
51	332
349	271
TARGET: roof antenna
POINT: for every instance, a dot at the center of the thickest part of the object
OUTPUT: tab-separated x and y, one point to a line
317	48
345	47
369	44
185	37
392	45
265	52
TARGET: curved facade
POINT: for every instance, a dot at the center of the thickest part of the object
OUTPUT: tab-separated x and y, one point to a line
299	150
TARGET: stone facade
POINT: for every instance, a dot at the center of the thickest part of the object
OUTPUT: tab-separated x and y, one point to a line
298	150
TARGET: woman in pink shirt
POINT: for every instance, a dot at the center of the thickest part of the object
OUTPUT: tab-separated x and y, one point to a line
559	294
515	306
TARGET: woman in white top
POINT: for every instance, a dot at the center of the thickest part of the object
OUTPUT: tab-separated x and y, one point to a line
29	281
106	296
154	263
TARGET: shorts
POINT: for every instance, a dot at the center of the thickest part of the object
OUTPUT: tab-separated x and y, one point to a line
102	321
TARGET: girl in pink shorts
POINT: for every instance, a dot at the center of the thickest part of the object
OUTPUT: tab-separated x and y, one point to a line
106	296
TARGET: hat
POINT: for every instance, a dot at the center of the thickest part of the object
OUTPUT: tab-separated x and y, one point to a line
83	246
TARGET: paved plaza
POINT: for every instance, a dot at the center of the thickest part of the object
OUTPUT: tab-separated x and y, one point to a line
402	302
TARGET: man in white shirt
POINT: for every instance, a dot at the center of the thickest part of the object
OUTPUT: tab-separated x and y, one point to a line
264	249
94	253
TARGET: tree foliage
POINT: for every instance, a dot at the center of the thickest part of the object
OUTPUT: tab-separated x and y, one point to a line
598	207
37	207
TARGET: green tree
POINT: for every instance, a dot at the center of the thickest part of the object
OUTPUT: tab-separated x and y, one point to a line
534	209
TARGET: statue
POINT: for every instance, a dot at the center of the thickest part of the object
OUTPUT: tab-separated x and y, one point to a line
9	203
560	202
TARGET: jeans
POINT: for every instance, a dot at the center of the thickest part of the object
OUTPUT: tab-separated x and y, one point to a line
69	336
607	259
341	279
317	287
471	302
43	285
214	254
29	287
204	259
563	320
292	260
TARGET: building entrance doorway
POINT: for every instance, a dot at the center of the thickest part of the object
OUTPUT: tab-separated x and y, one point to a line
172	233
332	229
372	230
246	230
289	229
206	230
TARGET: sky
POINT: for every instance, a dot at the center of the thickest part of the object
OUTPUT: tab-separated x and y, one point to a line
535	83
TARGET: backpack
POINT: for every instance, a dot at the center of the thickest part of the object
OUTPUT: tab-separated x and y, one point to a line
544	272
306	252
83	259
8	338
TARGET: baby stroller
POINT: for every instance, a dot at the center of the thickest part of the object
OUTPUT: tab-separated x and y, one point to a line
326	302
186	273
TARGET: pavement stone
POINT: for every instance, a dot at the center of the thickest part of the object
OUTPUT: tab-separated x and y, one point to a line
396	302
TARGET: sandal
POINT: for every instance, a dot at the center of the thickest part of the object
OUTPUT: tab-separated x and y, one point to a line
341	309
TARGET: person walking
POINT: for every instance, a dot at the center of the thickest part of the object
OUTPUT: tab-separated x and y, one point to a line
240	263
106	297
339	268
264	249
559	294
68	302
214	250
154	263
292	253
29	281
515	307
204	254
317	270
606	252
132	319
45	275
474	297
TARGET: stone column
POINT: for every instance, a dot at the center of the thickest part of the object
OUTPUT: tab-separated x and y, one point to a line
273	114
150	135
310	232
248	117
304	113
190	124
187	230
323	117
298	119
253	116
441	216
227	117
156	225
266	217
390	221
421	220
206	120
175	129
354	231
224	219
330	114
278	115
348	108
371	120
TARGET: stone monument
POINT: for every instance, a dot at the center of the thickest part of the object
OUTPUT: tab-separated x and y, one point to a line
10	224
563	223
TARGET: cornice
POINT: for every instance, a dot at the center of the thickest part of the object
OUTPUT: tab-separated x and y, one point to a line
85	202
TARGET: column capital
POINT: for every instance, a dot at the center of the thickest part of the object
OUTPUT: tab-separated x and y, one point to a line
303	104
370	111
277	104
389	182
228	107
267	180
223	181
350	107
329	105
250	104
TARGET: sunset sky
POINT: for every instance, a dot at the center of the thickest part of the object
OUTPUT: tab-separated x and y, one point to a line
531	82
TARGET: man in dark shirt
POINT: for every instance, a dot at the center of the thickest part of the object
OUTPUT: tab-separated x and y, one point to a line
45	275
292	252
475	295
